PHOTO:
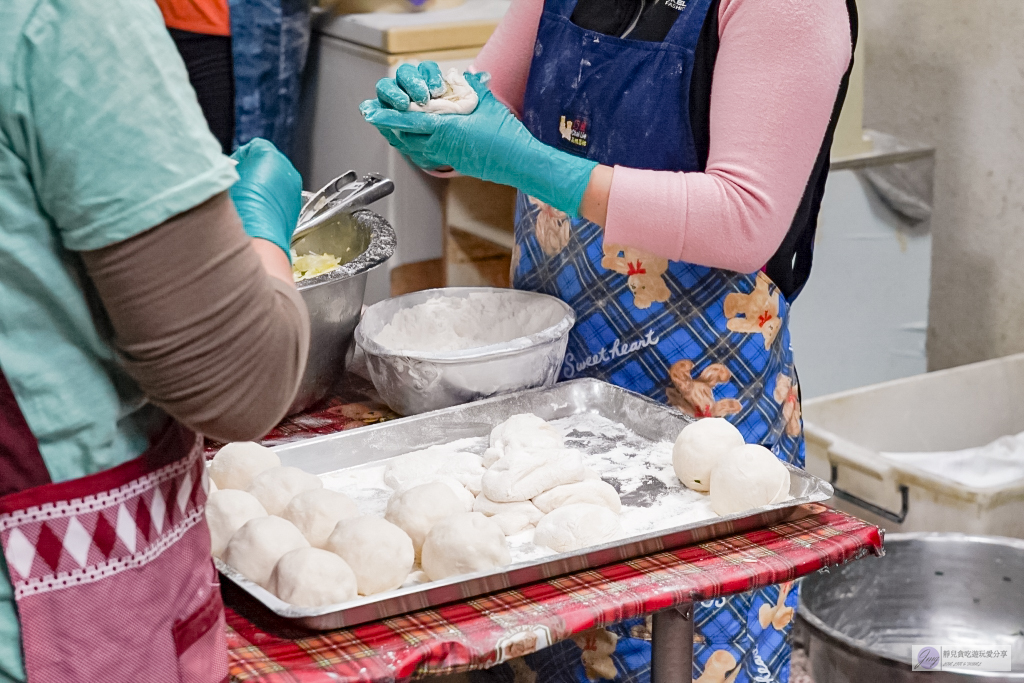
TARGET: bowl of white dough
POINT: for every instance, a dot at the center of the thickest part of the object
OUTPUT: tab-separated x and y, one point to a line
444	347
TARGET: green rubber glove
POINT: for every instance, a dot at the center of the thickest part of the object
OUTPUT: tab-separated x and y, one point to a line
411	84
268	194
490	144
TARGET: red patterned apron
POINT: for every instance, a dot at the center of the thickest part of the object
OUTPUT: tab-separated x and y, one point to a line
111	572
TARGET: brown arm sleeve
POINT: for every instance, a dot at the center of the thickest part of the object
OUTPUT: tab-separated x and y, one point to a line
205	331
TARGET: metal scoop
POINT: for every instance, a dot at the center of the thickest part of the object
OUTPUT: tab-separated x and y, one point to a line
344	193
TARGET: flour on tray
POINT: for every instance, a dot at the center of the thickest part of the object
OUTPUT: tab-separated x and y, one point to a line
458	323
653	498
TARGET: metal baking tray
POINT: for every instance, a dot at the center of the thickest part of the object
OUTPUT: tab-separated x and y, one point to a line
646	418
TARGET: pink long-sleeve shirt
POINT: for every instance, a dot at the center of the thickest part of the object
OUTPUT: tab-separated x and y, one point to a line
779	66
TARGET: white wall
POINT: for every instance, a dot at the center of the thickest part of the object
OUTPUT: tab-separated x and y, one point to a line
950	73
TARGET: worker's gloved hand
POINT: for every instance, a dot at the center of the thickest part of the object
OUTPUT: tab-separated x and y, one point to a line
411	84
268	194
490	144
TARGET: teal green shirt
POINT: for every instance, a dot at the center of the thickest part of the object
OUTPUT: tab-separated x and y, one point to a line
101	138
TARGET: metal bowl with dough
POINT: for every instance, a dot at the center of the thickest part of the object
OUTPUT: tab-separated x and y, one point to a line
417	382
363	241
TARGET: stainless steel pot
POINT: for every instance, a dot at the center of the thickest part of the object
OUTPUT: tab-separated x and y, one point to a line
363	240
859	622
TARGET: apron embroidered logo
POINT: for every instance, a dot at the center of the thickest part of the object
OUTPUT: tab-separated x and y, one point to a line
572	366
678	5
573	132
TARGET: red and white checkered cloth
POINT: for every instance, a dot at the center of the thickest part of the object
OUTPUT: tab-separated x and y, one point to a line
481	632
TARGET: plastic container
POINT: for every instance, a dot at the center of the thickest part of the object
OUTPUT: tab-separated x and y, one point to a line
949	410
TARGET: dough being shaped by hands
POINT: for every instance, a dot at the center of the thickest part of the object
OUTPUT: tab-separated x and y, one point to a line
523	430
458	97
511	517
464	543
237	464
317	511
576	526
255	548
275	488
311	577
748	477
227	511
417	510
378	552
699	446
587	491
524	473
433	462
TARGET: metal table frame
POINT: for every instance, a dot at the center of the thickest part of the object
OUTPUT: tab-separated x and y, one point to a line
672	645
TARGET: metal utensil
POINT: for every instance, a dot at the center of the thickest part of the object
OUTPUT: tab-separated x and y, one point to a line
352	196
325	194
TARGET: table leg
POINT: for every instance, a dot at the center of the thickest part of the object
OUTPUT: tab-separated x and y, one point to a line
672	645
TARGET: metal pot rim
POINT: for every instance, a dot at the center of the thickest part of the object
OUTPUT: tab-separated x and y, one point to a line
860	649
383	242
546	336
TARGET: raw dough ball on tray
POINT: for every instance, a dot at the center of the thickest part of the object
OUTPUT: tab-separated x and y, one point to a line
237	464
525	429
226	511
311	577
577	526
461	492
464	543
416	510
433	462
378	552
748	477
699	446
317	511
259	544
275	488
587	491
511	517
523	473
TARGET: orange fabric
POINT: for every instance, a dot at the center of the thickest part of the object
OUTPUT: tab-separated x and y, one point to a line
209	17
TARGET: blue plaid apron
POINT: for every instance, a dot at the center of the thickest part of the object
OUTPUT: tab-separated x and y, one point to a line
710	342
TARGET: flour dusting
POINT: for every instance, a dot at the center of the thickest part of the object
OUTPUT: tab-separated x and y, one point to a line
995	464
448	323
653	498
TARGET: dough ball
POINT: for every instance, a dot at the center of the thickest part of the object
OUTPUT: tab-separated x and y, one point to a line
277	486
311	577
460	491
587	491
458	97
699	446
237	464
210	486
378	552
436	461
748	477
524	473
576	526
462	544
259	544
317	511
226	512
511	517
525	429
415	511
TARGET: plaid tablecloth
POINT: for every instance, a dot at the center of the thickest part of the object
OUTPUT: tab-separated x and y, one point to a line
497	627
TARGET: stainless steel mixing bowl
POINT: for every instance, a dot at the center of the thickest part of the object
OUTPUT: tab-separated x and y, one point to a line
416	382
363	240
861	620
